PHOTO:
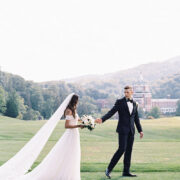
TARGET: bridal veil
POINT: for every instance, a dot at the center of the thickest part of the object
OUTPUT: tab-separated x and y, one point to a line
22	161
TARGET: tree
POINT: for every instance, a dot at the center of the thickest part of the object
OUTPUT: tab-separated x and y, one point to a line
178	109
155	112
12	105
36	99
21	107
47	109
141	113
31	114
86	106
95	94
2	100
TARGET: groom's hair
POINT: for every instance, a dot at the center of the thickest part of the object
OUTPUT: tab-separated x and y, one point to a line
128	87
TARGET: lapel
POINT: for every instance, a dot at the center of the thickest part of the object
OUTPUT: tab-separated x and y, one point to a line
134	107
126	106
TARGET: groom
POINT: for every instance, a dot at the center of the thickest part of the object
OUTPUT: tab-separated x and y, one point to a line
128	115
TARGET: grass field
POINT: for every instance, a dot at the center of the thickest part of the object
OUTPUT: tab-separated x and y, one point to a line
156	156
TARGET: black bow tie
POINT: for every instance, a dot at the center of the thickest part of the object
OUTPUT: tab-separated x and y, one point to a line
129	100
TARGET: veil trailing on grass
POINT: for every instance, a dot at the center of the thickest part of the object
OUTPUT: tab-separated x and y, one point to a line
21	162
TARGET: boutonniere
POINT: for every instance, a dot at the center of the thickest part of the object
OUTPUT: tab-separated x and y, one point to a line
137	104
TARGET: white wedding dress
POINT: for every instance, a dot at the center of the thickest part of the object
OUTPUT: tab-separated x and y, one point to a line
21	162
63	161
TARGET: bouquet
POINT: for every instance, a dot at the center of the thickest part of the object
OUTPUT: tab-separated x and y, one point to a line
88	122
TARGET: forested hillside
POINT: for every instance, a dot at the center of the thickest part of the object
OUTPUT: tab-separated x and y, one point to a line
167	87
29	100
114	82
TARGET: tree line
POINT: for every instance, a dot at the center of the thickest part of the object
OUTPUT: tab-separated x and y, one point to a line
30	101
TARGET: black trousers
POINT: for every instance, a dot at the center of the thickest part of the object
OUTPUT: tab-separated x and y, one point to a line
125	146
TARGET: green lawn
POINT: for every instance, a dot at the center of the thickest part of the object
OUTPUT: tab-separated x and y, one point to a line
156	156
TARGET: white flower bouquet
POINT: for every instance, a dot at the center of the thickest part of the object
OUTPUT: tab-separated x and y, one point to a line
88	122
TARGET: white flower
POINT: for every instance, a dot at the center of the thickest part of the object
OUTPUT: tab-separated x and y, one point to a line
84	119
89	121
137	104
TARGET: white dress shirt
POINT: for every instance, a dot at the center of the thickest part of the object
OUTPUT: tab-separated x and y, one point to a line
130	106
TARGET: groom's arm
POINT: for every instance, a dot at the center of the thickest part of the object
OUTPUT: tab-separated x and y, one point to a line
137	121
111	112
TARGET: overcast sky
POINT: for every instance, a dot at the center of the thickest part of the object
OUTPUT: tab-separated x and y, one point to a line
51	40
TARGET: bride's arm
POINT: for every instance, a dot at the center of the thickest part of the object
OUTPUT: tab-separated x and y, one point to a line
67	125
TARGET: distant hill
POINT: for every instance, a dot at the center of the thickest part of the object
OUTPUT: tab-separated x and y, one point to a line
114	82
150	71
167	87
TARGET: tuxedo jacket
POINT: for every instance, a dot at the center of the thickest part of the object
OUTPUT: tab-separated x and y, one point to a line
126	120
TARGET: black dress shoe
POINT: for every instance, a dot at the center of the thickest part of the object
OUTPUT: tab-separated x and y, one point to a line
129	174
107	173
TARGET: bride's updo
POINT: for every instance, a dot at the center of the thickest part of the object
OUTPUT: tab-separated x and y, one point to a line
72	105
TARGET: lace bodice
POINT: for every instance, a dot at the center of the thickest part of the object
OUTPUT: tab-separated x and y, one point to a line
73	121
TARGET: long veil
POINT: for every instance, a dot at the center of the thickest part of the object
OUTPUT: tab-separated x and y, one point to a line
21	162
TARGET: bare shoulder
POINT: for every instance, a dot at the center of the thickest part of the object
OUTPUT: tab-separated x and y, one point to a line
68	111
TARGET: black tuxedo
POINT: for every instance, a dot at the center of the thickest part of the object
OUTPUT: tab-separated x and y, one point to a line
125	130
126	120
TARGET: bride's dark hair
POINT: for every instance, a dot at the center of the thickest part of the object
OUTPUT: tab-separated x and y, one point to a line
72	104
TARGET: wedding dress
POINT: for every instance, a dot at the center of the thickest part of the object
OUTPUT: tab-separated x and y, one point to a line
21	162
63	161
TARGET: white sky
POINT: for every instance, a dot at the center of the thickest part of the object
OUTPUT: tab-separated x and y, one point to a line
49	40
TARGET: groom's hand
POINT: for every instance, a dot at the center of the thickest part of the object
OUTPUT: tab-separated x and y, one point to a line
98	120
141	134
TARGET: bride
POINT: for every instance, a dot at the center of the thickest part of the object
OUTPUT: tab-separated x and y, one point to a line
63	161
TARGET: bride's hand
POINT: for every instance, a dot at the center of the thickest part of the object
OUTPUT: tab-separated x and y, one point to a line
79	120
81	126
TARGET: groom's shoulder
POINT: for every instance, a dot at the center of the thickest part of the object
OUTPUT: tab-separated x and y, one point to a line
120	99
